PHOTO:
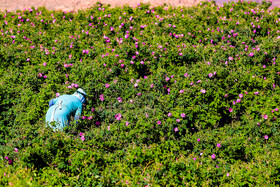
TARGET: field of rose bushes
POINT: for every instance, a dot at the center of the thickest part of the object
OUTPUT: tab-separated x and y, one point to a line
177	95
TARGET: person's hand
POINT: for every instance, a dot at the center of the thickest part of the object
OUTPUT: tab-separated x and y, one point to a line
76	120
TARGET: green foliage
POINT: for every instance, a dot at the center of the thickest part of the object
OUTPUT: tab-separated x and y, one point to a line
177	95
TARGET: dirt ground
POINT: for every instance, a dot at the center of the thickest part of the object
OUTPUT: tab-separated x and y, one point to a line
13	5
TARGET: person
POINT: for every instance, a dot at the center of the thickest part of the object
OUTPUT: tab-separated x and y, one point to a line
62	108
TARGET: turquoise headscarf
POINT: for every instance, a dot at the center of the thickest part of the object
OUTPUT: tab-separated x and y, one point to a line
80	94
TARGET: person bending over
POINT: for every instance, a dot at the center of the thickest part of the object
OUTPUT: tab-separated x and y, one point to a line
62	108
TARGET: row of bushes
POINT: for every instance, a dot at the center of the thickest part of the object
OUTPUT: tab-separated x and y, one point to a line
177	95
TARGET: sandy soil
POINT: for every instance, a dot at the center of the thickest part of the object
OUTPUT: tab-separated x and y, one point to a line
67	5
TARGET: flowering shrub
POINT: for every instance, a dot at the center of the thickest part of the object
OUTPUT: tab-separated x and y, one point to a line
177	95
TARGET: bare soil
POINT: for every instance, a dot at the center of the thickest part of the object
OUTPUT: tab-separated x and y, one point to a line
67	5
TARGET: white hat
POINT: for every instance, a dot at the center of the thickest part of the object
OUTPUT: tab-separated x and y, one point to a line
80	94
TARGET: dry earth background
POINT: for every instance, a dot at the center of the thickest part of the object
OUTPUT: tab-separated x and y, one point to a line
66	5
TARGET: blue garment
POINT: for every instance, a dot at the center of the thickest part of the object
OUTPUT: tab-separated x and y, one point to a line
62	108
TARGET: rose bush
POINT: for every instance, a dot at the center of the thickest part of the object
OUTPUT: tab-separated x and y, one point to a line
177	95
